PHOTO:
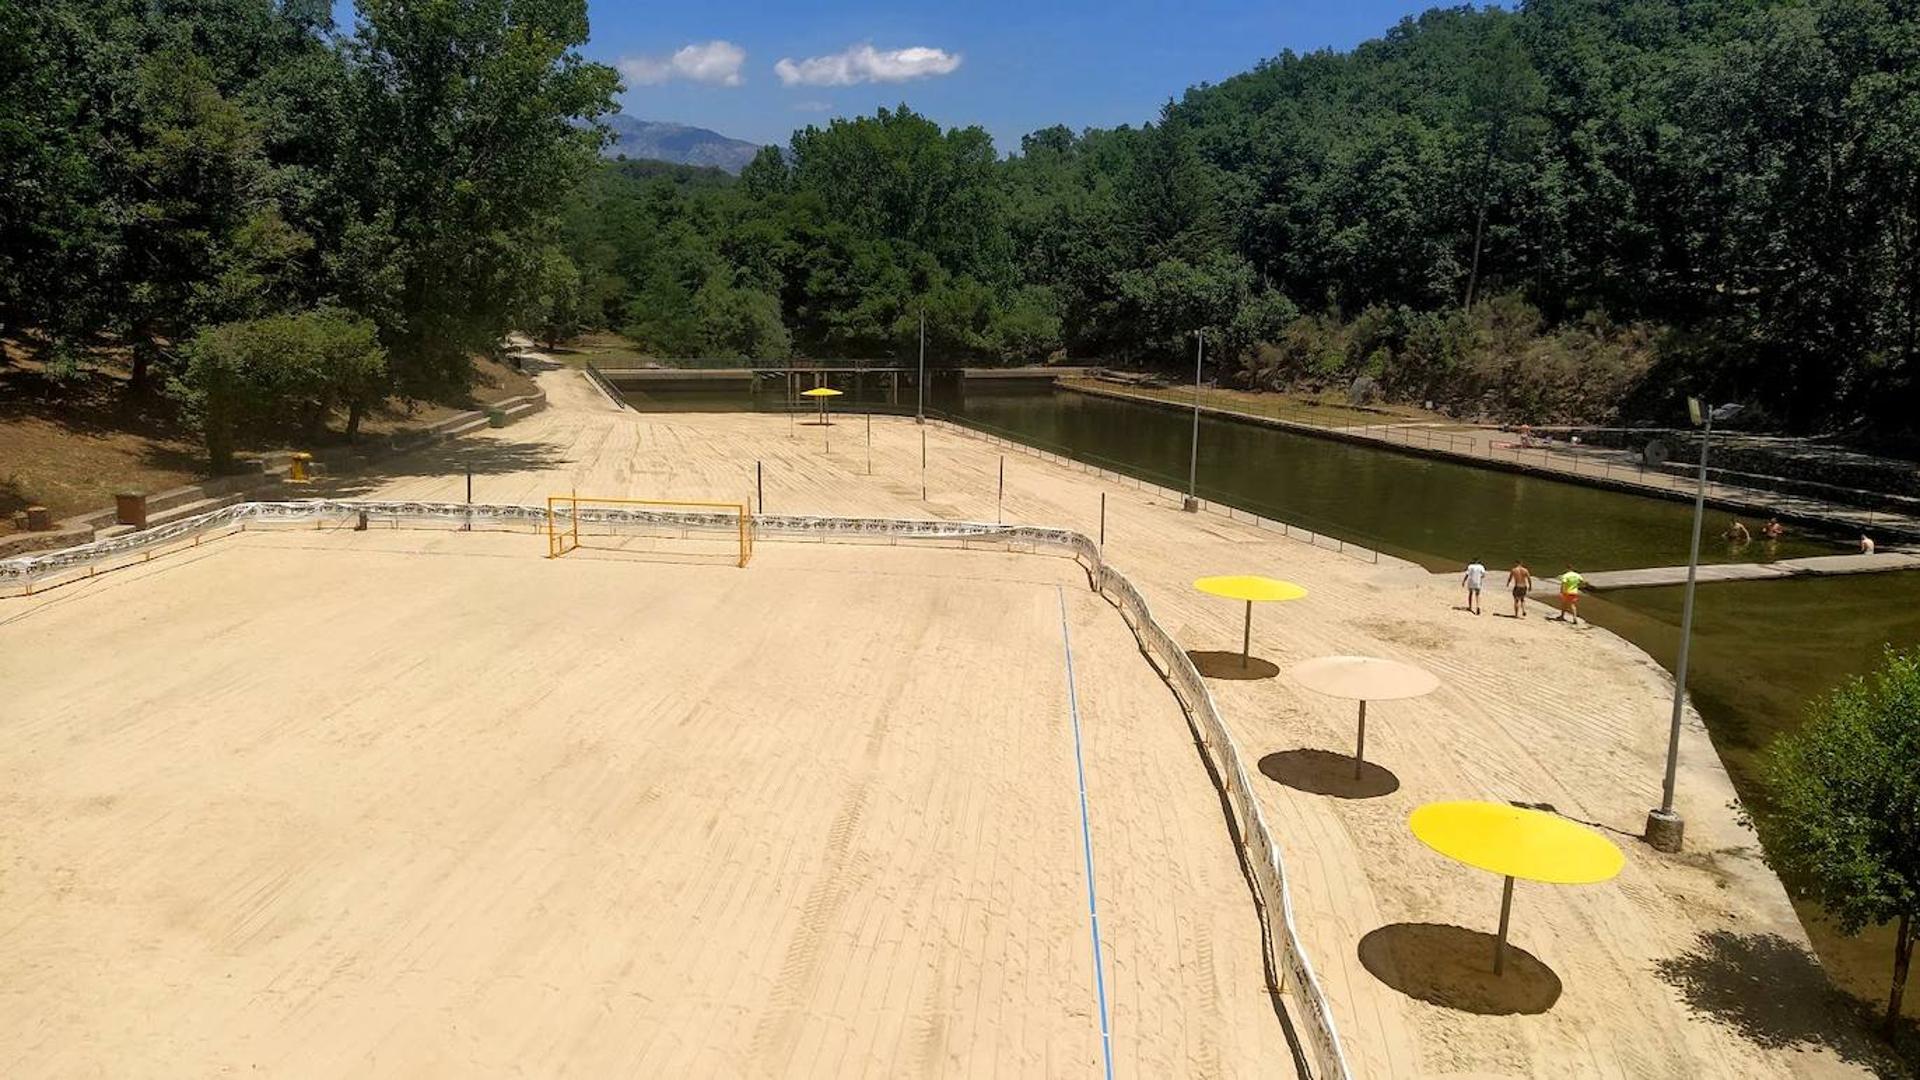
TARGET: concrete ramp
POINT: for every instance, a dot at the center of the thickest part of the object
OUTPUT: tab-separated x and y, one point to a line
1813	566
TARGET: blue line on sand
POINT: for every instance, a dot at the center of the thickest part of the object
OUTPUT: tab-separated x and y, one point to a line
1086	840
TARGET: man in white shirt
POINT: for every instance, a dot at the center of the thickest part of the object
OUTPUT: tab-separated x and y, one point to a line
1475	577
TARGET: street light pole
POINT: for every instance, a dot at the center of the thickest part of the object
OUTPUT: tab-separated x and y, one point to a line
1192	502
1665	827
920	404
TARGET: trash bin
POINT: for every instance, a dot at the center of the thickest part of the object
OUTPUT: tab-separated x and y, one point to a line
39	519
130	508
297	471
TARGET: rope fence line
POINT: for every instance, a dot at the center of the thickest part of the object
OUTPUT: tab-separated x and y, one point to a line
1286	960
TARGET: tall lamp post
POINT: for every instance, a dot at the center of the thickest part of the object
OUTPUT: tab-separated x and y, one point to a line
1191	504
920	387
1665	827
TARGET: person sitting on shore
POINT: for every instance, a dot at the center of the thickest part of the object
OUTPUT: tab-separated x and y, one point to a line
1474	579
1774	529
1737	534
1570	583
1520	580
1866	544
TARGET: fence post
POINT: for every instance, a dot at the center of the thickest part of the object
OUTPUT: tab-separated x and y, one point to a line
468	525
1001	499
760	486
1103	519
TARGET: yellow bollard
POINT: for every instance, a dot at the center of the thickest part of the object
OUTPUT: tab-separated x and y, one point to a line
297	467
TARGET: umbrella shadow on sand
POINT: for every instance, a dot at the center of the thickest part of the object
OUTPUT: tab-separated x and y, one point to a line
1323	772
1227	665
1452	966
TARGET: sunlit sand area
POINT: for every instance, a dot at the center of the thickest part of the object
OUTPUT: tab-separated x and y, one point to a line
413	803
404	802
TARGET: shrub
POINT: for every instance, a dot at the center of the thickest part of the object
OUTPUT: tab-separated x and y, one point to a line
1846	819
284	371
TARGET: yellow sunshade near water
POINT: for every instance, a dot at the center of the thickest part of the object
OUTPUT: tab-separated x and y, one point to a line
1509	840
820	391
1250	587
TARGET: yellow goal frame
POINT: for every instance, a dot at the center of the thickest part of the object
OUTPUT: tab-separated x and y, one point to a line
563	525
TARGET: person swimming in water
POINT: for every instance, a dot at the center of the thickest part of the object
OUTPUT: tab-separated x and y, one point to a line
1774	530
1737	534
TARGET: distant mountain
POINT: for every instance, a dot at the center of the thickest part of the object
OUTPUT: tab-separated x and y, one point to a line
677	143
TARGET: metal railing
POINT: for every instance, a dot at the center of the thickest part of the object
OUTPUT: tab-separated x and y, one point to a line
598	379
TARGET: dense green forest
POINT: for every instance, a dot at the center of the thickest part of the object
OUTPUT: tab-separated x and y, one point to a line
1575	209
280	218
1578	209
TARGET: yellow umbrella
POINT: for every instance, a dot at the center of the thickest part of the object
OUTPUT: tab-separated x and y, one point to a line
1249	587
822	393
1516	842
1364	679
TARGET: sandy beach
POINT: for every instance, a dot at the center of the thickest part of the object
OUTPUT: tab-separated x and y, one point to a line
1638	977
609	816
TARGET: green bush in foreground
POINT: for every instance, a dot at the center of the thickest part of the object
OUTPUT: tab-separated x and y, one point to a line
1846	823
285	372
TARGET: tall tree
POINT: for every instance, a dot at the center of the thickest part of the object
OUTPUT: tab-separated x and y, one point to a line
1846	822
465	137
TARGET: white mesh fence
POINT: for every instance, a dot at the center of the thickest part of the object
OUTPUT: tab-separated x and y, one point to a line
1258	846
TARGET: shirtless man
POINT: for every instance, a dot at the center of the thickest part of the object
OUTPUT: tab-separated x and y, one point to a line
1737	534
1774	529
1473	579
1520	580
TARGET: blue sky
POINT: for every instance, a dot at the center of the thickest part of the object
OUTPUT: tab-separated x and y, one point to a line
1010	67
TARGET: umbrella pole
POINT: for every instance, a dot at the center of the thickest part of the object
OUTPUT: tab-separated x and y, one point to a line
1246	637
1360	744
1506	910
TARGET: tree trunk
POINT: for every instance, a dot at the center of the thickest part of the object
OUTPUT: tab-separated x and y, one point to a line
1902	959
355	409
219	438
1473	274
142	357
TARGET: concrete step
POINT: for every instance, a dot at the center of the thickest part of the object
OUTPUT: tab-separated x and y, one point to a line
182	511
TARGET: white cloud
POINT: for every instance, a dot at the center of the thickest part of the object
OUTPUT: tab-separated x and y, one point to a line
716	63
864	63
813	106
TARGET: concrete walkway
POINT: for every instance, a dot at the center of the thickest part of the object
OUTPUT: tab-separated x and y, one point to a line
1648	577
1815	566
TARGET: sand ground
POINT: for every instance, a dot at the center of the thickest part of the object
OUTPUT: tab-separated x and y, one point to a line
417	803
1693	966
1690	966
